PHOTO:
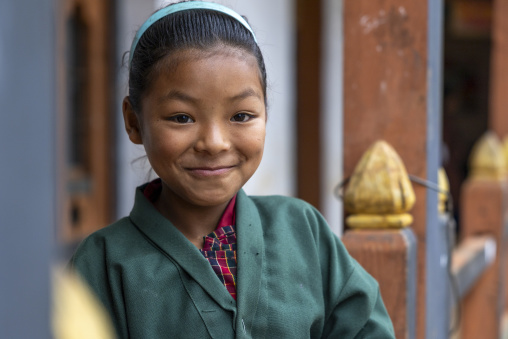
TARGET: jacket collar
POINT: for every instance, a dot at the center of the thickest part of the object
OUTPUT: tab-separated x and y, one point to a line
173	244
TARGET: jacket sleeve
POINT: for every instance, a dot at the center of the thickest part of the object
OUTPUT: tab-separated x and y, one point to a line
359	311
89	262
353	304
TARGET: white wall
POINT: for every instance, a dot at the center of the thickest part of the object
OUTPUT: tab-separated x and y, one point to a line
272	21
273	24
130	15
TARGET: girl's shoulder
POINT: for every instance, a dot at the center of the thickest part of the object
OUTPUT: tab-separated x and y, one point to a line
119	229
288	216
280	203
290	208
117	237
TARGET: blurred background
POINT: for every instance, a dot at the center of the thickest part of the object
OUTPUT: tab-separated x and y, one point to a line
68	168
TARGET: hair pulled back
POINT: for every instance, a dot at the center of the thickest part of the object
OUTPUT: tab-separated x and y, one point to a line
200	29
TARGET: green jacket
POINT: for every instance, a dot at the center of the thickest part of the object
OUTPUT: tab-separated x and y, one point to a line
295	278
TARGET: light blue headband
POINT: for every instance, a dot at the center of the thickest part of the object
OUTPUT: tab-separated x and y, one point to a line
183	6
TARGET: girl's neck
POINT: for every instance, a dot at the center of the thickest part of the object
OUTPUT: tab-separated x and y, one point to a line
193	221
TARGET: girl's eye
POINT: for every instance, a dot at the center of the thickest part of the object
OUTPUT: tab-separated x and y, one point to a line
241	117
181	119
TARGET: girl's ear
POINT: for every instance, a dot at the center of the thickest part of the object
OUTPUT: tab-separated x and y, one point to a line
131	121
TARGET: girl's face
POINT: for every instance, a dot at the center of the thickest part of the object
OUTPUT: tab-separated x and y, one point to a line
202	125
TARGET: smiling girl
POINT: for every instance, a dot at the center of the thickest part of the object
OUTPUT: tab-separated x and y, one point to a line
197	257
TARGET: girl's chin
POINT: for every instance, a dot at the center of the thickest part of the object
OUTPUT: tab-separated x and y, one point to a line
211	199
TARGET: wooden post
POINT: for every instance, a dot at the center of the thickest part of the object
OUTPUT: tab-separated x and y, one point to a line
84	132
483	209
392	87
505	318
378	197
498	113
308	100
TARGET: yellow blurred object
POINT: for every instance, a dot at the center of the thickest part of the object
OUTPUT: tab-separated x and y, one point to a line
379	192
444	186
77	314
379	221
487	160
505	151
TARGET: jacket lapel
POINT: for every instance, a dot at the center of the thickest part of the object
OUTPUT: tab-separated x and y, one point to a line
250	257
175	245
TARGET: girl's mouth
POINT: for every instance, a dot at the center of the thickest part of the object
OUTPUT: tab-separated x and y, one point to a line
209	171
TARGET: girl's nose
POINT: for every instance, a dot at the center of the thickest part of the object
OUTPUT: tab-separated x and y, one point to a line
213	139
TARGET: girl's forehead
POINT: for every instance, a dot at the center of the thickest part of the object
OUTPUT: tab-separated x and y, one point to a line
169	65
190	64
191	71
196	54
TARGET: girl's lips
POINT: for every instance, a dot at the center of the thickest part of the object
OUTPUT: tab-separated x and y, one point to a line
209	172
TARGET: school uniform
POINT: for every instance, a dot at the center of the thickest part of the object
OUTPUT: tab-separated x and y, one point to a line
294	278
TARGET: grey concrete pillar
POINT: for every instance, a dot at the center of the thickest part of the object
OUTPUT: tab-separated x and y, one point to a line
27	166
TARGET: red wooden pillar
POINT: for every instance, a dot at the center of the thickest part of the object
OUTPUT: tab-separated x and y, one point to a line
389	256
483	212
391	92
378	198
498	114
498	110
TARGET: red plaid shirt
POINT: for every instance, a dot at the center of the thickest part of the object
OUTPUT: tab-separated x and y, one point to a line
220	249
219	246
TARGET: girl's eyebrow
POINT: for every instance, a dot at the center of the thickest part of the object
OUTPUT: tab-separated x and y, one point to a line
177	95
249	92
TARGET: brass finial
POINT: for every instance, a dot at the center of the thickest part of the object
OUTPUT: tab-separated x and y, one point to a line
379	193
505	151
444	187
487	160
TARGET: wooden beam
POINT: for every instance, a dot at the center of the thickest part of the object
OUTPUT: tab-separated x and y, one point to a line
309	100
470	259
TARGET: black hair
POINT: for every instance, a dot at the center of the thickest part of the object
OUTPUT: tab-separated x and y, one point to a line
197	28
